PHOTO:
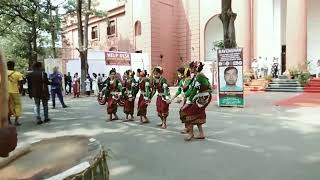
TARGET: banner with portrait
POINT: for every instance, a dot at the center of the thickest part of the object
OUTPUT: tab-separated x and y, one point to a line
230	77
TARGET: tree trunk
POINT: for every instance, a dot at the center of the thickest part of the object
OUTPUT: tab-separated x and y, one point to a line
53	43
34	43
30	57
53	32
86	34
3	96
81	49
228	17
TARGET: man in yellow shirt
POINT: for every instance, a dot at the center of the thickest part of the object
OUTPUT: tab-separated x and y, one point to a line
14	82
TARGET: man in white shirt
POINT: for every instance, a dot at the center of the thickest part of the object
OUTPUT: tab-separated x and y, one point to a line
318	68
255	69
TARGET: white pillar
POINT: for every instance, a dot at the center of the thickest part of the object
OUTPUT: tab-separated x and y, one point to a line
243	29
296	35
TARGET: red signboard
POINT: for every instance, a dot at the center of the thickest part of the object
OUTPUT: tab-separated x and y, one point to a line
117	58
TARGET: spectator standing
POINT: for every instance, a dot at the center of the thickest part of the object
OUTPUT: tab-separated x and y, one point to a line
76	85
69	82
318	68
15	81
38	89
88	85
95	84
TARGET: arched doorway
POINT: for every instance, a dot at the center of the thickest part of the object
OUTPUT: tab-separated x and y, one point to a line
213	34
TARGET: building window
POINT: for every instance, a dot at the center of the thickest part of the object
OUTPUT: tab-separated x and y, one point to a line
137	28
111	30
94	32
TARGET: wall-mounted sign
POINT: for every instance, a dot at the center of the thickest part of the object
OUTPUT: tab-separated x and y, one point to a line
117	58
230	73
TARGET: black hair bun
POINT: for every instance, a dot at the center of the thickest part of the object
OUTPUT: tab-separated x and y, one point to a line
200	67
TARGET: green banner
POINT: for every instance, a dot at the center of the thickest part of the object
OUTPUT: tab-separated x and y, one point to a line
230	100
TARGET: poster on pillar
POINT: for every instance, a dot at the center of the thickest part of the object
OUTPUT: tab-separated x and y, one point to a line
230	77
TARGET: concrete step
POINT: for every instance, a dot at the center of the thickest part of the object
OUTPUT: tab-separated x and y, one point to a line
283	77
284	85
284	81
312	91
284	90
315	88
312	85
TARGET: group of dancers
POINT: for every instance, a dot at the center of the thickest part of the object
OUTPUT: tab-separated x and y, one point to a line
194	86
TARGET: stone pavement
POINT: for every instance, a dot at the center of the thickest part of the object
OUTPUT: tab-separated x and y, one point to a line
258	142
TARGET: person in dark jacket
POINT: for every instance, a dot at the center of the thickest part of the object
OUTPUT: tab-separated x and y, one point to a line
38	90
56	87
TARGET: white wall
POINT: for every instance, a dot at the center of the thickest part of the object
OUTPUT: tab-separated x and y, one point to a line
213	32
313	33
97	64
270	30
208	9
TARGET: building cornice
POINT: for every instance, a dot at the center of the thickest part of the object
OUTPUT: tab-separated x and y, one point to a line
117	11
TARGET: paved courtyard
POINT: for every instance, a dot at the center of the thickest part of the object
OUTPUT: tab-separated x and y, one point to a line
258	142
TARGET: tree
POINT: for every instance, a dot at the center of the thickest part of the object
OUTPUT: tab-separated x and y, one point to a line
83	9
228	17
29	13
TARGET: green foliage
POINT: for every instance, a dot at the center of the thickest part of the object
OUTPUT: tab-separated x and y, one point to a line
248	76
301	76
218	45
304	78
24	27
11	49
70	6
268	78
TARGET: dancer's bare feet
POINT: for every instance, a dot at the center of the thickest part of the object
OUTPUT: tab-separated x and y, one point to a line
115	117
132	118
189	137
200	137
201	132
184	131
164	126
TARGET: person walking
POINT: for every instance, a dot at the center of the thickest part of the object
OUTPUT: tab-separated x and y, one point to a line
38	90
15	82
56	88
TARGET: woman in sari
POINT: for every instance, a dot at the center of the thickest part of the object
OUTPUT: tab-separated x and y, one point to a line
113	90
198	97
129	93
160	85
76	85
184	74
144	99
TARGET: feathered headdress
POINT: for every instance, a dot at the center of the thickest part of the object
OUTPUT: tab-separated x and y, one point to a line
158	69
